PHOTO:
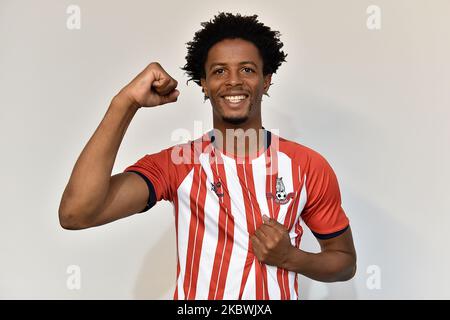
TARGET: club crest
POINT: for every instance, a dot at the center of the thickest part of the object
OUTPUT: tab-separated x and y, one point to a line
280	197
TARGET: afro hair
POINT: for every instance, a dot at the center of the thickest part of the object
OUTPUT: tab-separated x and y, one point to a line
230	26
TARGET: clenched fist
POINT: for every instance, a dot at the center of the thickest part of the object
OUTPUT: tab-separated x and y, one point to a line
150	88
271	243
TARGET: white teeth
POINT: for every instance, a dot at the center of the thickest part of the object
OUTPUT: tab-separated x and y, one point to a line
235	98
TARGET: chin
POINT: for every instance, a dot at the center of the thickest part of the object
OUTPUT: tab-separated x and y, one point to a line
234	117
235	120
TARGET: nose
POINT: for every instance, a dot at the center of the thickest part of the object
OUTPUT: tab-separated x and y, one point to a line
234	78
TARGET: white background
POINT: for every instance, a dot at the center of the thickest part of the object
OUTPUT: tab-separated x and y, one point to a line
375	103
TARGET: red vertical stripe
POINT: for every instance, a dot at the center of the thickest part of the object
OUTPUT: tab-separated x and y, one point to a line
291	212
248	265
251	227
291	219
175	203
289	222
274	172
225	234
266	286
226	257
220	240
229	236
299	231
218	256
274	208
250	185
200	213
269	183
192	229
259	281
281	284
286	284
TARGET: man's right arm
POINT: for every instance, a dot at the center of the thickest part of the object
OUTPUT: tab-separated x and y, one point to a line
92	196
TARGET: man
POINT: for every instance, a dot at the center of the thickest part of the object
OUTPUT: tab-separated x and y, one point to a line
238	201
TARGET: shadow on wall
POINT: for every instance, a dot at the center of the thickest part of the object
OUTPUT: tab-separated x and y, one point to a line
157	276
314	290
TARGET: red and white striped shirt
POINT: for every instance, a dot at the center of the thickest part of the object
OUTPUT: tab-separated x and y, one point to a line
219	200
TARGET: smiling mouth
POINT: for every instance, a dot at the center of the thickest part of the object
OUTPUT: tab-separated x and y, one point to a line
235	101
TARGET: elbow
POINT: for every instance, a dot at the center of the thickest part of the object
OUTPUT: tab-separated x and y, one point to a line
68	224
69	221
344	273
71	218
349	273
353	272
340	276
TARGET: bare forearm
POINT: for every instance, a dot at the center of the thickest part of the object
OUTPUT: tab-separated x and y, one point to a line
89	182
326	266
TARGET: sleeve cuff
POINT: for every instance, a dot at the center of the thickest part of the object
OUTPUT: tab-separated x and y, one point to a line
151	191
329	235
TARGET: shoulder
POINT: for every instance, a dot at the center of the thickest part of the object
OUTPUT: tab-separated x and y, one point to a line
308	158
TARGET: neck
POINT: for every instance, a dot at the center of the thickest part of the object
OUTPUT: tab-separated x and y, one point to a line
242	140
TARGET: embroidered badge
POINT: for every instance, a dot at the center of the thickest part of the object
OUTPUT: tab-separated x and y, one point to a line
280	197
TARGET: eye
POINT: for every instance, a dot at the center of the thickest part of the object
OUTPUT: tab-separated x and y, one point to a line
248	70
218	71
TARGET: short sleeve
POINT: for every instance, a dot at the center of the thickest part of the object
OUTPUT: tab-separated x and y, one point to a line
155	169
323	212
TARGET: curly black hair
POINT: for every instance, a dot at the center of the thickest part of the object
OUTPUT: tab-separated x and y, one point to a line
230	26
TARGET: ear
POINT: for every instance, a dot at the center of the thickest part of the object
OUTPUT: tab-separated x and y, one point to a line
203	83
267	82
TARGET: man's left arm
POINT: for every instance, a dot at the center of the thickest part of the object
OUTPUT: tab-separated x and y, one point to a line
336	261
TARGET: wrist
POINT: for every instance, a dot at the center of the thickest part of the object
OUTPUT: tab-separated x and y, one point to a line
124	101
294	259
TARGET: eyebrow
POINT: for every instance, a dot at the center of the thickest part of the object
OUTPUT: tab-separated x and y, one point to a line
240	63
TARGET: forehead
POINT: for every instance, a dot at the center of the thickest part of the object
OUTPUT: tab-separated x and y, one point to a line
233	51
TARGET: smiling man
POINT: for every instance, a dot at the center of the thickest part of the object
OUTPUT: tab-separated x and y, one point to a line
239	192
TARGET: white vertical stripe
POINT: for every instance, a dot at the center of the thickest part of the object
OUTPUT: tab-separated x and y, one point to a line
249	292
210	237
272	283
303	199
246	189
285	172
197	223
259	178
303	196
301	205
240	245
293	234
291	279
184	217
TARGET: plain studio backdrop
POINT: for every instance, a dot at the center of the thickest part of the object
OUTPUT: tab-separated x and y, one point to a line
374	102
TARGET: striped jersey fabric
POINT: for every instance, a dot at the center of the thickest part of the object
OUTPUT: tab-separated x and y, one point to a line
219	200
